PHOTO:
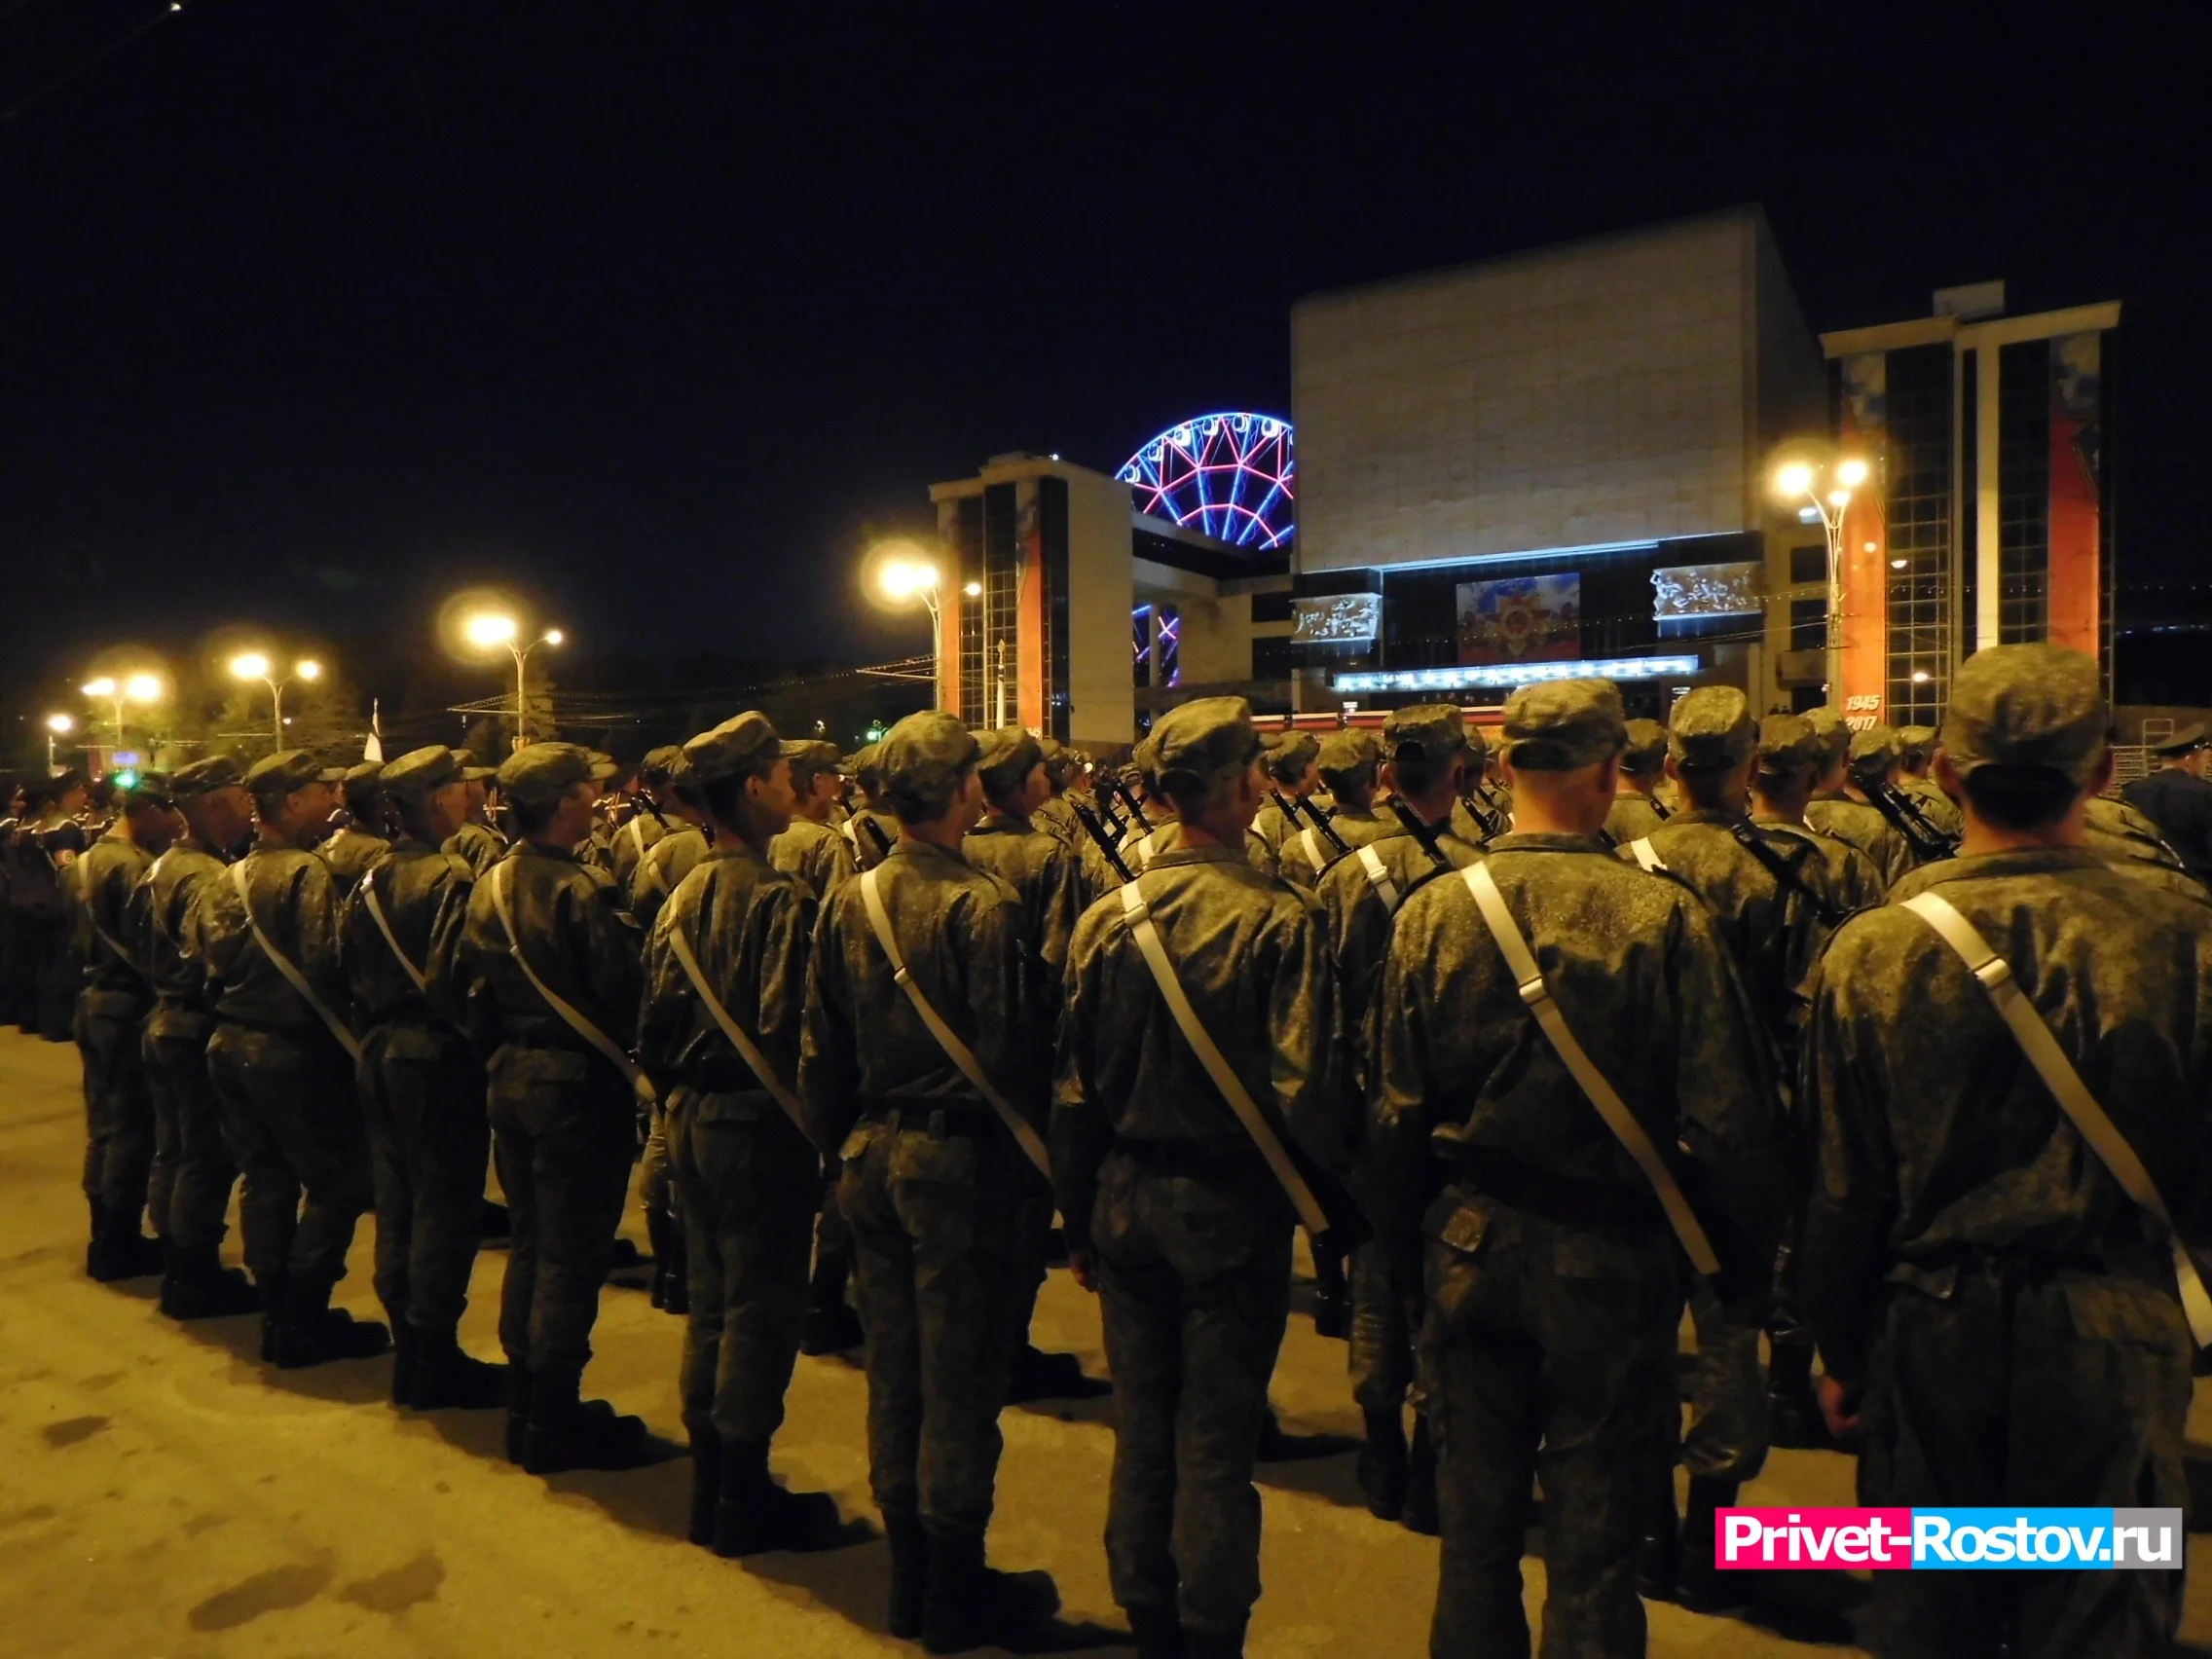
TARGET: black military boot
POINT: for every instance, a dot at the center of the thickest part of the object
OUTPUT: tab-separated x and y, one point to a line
120	1251
1041	1375
909	1571
1658	1558
1214	1644
1381	1465
1793	1415
99	1220
274	1290
569	1433
1419	1512
446	1377
968	1604
198	1286
495	1224
1158	1631
754	1514
1699	1584
706	1485
405	1350
676	1293
518	1411
1331	1297
310	1332
830	1326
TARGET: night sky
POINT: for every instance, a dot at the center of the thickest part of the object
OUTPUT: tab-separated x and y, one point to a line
312	312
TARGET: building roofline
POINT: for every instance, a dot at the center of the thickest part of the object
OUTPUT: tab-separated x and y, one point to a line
1980	332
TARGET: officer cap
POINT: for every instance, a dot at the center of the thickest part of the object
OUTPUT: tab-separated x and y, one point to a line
2183	742
420	773
287	770
1914	742
1827	725
1290	753
1348	752
738	747
1557	725
1646	749
1872	750
2035	707
1430	734
208	775
1711	729
1788	742
1203	743
924	754
367	772
659	765
544	772
1005	757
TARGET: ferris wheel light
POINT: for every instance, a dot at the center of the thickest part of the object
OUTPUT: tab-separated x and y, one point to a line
1231	475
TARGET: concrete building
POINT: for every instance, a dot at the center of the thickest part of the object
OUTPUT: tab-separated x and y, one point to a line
1551	465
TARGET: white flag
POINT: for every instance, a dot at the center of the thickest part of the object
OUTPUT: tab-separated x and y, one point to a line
373	750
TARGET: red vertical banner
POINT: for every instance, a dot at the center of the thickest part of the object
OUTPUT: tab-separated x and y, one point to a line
2076	584
1865	570
948	648
1029	608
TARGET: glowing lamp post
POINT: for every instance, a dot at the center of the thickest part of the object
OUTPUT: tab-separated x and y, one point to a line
56	725
142	688
488	630
1827	488
901	576
255	665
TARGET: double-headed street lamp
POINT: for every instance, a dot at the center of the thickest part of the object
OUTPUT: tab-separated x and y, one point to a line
56	725
1825	487
141	687
904	574
490	628
255	665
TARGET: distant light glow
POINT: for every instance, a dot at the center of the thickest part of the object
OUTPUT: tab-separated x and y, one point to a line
308	670
974	590
552	637
1231	475
1793	480
59	724
487	629
248	665
103	686
1851	474
143	689
1513	674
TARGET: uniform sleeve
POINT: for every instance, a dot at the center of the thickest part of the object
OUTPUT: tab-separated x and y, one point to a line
609	956
1837	1276
444	968
1059	904
830	865
314	925
1013	1037
1081	1134
1395	1157
785	937
828	1074
664	1002
1306	1042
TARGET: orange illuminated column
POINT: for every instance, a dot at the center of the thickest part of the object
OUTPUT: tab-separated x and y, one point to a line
2075	430
1864	570
948	651
1029	665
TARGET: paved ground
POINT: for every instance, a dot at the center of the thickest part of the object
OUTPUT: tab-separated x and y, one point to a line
162	1493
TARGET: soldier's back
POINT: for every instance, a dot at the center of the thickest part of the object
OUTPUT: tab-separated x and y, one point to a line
351	852
1864	827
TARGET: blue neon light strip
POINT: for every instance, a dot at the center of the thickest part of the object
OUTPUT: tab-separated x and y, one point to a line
1512	673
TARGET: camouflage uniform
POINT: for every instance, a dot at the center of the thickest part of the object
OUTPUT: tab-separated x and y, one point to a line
634	840
351	850
2009	1311
422	1085
120	1140
187	1115
1157	1178
933	1182
1635	813
667	862
2123	835
479	845
1915	744
814	855
44	850
564	1124
289	1110
1289	756
1553	1290
747	1176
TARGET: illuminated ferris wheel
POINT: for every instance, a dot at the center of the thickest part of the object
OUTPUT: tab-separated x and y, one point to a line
1232	476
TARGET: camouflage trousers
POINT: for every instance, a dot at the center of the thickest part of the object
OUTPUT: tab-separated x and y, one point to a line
1547	1351
1727	1437
119	1110
422	1097
1194	1285
2008	1383
189	1206
1386	1323
1032	1241
55	978
933	1210
294	1126
563	1127
749	1183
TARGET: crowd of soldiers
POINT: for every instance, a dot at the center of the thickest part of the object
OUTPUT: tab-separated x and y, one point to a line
1549	1043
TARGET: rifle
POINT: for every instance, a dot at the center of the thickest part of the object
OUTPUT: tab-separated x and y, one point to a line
1111	819
1421	833
1129	800
1097	832
1485	812
875	830
1928	844
1322	824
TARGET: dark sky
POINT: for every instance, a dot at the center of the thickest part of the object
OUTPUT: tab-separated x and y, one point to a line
312	311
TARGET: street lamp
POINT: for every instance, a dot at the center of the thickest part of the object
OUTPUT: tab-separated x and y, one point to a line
140	688
255	665
903	575
490	628
56	725
1826	488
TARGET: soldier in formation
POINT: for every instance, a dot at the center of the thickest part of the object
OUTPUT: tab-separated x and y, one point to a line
1637	807
360	841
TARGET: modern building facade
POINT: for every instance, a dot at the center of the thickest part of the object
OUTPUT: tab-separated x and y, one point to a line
1990	522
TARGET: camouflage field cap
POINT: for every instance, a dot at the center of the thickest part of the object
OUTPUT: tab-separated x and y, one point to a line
1431	735
925	754
1787	742
1558	725
1290	753
1915	743
1005	758
1646	749
1349	753
1827	725
153	789
420	773
288	770
739	747
811	759
1711	730
2027	706
1872	750
367	772
1206	742
470	771
659	765
543	772
207	776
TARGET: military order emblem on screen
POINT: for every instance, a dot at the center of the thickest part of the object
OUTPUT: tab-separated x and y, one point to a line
1955	1540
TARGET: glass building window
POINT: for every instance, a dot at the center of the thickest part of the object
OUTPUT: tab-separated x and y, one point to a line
1810	564
1916	482
1808	624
